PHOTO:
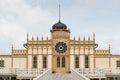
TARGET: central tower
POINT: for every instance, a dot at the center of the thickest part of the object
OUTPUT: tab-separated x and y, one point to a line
61	48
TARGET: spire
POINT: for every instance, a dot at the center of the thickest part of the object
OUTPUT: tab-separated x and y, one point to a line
84	38
109	47
27	36
59	12
37	38
88	38
74	38
47	37
42	37
32	38
79	38
12	46
93	36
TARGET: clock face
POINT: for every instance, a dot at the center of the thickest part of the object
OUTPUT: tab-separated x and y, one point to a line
61	47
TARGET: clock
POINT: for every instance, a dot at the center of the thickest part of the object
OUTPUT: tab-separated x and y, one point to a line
61	47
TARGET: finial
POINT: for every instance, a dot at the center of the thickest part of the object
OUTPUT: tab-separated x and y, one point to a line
47	37
88	38
59	12
109	47
12	46
37	38
74	37
32	38
42	37
94	36
84	38
79	38
27	36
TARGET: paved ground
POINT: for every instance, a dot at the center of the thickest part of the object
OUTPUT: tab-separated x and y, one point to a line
61	76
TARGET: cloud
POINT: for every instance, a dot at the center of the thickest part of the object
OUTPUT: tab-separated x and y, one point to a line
17	18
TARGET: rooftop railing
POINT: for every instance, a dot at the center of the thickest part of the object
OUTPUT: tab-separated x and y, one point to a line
21	73
98	72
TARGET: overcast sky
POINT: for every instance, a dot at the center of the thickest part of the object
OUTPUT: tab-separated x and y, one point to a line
83	17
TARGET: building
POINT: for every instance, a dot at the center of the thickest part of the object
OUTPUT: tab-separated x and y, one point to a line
61	54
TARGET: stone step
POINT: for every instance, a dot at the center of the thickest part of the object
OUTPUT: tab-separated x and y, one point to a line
61	76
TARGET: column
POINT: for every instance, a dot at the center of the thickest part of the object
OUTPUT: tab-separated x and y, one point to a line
114	78
20	79
4	78
9	77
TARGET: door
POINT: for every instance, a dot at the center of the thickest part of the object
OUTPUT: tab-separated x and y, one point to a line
60	64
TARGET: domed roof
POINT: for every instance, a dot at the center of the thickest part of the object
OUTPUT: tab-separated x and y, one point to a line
59	25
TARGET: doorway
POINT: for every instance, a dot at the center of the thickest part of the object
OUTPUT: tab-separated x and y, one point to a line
60	64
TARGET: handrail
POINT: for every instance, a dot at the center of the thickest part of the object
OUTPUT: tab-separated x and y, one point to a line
43	76
78	76
97	72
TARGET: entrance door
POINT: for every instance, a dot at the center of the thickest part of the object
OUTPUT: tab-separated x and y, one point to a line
60	64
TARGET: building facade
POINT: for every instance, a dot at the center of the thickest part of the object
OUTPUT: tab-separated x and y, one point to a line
60	54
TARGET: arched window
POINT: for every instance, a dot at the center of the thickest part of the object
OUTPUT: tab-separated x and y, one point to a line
58	62
86	61
77	62
35	62
63	62
44	62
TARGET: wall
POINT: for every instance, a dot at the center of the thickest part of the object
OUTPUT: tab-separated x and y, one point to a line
19	63
114	60
81	51
102	62
7	61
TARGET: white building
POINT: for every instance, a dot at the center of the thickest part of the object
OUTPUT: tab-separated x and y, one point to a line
60	54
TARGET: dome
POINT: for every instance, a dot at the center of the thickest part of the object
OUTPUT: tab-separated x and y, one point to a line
59	25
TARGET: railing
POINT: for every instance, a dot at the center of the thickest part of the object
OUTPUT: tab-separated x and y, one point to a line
29	73
78	76
19	52
21	73
8	71
44	76
114	72
97	72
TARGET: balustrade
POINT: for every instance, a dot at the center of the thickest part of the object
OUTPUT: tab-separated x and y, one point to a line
21	73
97	72
44	76
78	76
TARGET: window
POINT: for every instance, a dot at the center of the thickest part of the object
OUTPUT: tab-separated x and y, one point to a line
58	62
44	62
77	62
35	62
118	64
63	62
86	62
1	63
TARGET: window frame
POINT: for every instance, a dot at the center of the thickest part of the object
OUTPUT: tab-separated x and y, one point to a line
2	63
118	63
58	62
63	62
86	61
44	61
35	61
77	62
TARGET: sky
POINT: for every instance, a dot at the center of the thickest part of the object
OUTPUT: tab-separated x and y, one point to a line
83	17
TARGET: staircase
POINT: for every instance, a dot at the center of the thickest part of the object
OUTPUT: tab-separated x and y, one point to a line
61	76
